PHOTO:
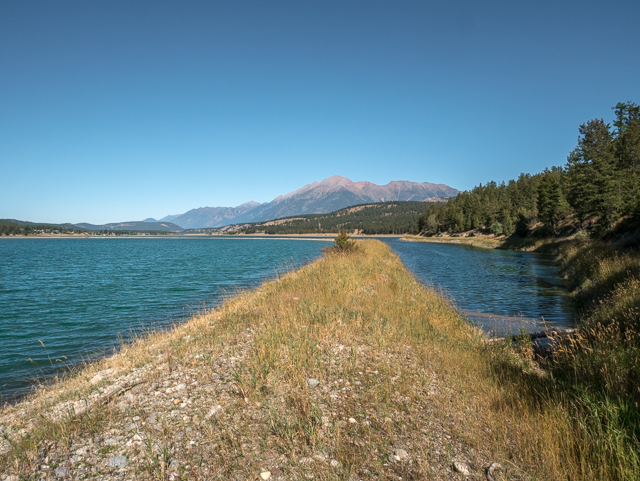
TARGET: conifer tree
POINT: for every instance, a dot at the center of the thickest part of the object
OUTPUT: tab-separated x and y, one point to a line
627	151
552	204
595	189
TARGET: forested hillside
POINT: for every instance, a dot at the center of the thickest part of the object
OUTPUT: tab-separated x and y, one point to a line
16	227
587	211
597	188
9	227
396	217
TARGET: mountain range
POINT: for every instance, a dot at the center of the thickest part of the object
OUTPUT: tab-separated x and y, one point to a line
145	225
323	197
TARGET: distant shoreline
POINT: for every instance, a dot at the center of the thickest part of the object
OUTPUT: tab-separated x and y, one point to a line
322	237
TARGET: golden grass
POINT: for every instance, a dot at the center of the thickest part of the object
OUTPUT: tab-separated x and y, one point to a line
483	242
390	355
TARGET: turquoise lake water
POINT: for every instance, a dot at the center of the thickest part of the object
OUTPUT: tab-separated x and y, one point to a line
82	297
501	291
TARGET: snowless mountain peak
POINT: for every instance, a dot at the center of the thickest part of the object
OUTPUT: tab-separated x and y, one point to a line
330	194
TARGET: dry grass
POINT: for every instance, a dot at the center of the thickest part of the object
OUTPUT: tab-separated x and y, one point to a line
543	245
397	369
483	242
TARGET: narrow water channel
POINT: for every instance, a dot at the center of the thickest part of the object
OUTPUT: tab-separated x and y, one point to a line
501	291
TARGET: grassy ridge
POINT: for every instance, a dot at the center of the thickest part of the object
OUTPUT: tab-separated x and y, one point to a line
397	369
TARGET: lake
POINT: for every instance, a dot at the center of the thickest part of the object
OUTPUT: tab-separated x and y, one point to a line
83	296
65	300
501	291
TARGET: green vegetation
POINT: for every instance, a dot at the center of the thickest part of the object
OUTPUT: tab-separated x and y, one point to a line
588	213
393	366
342	244
9	227
597	190
500	208
398	217
15	227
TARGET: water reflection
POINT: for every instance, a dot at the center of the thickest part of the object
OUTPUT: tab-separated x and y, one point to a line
502	291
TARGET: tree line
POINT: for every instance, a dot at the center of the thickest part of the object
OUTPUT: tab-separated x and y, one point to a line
398	217
597	187
11	227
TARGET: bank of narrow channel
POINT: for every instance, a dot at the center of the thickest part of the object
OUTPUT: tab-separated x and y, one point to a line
501	291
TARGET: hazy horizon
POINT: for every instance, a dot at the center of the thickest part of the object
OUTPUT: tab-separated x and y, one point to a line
120	111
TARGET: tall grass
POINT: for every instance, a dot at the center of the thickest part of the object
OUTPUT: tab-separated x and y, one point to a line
390	355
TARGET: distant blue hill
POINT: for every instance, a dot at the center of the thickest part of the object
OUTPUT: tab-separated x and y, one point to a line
134	225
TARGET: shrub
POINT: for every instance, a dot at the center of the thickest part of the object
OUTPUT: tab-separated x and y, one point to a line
496	228
508	226
341	245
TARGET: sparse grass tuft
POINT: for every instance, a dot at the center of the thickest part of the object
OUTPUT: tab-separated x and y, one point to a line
397	368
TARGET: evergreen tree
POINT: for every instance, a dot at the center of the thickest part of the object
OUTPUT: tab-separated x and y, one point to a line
552	204
627	151
595	181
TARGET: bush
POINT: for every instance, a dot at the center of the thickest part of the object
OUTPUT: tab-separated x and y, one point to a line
341	245
508	226
496	228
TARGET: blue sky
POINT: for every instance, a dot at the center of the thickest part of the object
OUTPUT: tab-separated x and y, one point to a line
113	111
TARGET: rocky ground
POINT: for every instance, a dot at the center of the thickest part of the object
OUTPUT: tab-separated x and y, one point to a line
205	402
170	422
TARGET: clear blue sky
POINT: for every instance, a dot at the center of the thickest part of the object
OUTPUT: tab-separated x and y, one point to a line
113	111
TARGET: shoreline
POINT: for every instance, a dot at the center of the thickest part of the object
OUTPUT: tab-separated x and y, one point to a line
323	237
345	366
161	380
483	242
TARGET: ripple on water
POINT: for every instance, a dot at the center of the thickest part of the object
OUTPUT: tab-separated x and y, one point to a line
79	296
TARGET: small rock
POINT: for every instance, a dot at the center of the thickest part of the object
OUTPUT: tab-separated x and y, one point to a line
401	454
265	474
63	472
312	383
179	387
12	477
353	421
118	462
214	411
461	468
335	463
101	375
325	419
490	470
276	471
174	464
109	441
177	401
80	407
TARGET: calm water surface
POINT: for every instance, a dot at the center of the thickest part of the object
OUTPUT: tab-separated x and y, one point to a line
502	291
82	297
